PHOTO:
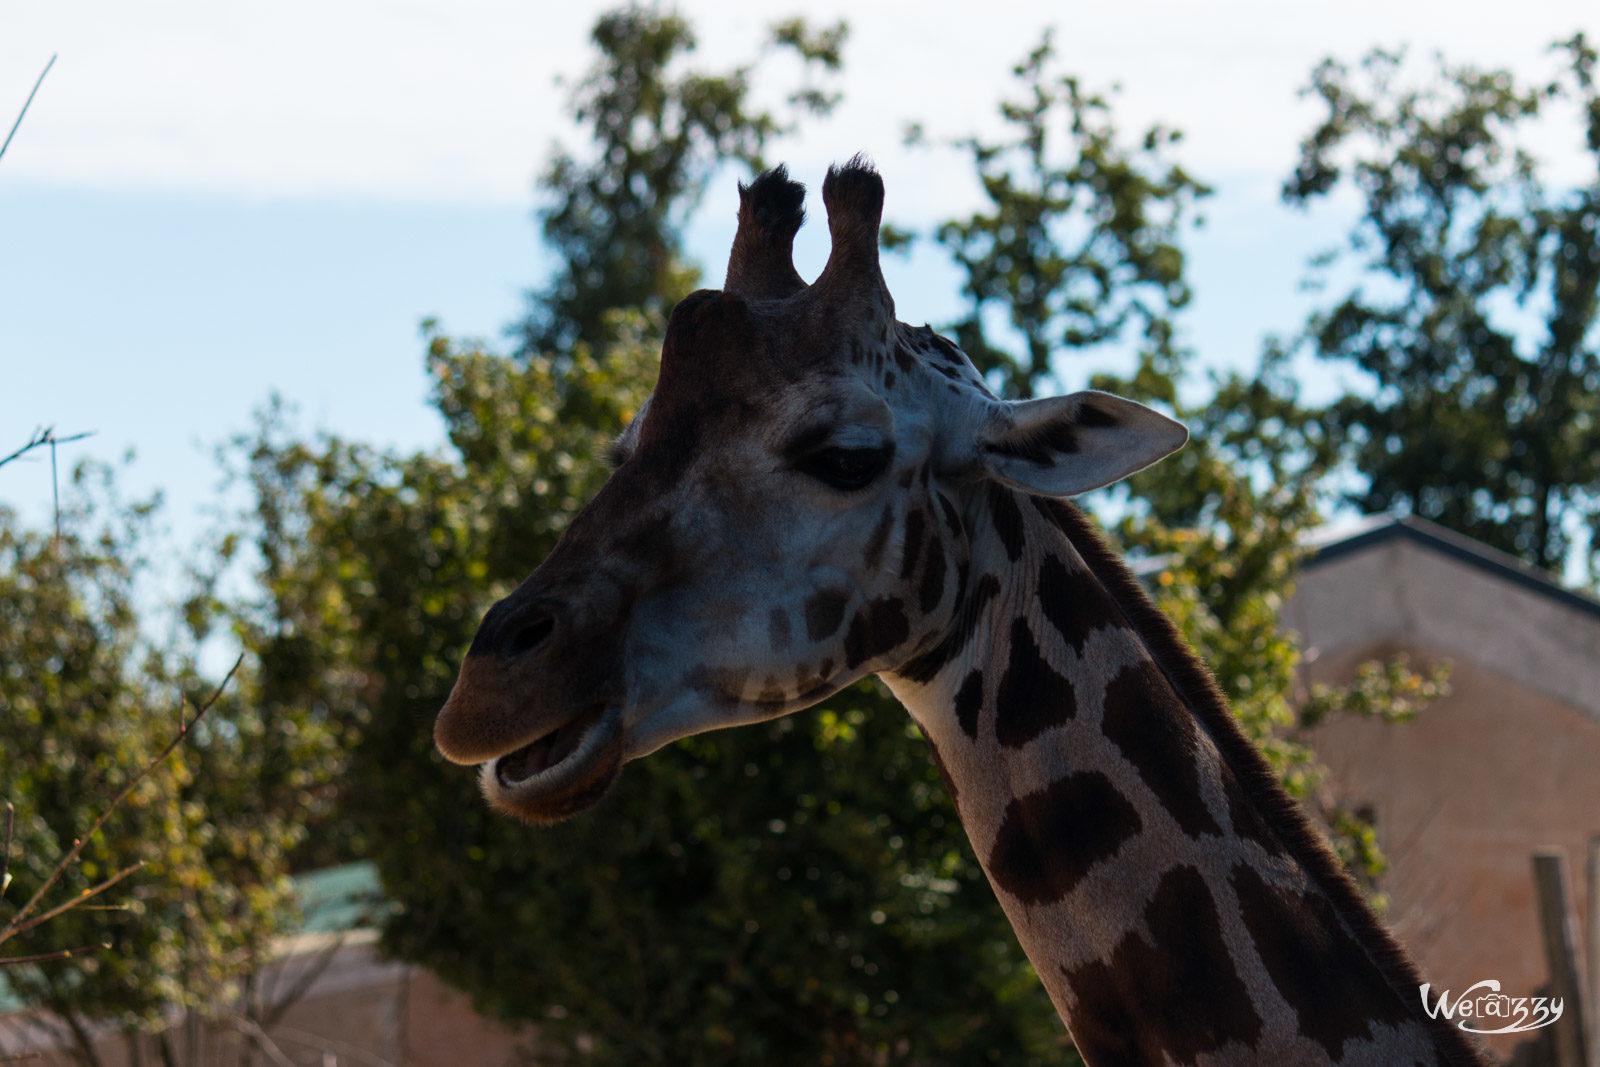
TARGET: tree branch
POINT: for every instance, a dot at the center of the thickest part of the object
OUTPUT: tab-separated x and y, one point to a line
18	922
46	957
5	850
41	438
25	104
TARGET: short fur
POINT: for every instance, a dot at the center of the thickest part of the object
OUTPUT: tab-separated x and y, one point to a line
1199	691
761	265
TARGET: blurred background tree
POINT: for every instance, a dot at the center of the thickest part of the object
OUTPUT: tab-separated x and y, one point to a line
1474	316
1078	244
616	216
88	702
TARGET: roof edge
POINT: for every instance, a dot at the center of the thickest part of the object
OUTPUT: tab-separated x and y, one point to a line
1378	529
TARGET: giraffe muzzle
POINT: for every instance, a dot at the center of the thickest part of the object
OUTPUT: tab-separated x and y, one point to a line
560	773
536	757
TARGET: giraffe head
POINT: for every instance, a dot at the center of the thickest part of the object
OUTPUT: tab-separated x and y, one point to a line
790	511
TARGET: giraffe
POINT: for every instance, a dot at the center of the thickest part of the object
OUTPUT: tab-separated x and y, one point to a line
815	492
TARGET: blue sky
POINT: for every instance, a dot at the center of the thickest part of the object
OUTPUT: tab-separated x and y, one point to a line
211	203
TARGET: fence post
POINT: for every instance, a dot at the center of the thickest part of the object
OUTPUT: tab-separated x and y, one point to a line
1593	932
1560	950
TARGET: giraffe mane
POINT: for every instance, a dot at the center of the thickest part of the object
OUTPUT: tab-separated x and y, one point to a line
1199	691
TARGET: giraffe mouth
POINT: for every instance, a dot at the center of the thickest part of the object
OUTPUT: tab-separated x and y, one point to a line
561	773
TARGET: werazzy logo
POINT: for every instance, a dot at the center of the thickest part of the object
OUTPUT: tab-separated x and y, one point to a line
1483	1005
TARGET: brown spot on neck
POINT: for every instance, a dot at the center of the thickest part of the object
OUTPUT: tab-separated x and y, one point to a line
1279	816
1158	736
1326	977
1007	519
1167	994
1033	697
1049	840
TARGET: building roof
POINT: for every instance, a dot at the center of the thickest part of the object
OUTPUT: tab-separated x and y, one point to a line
1390	582
1334	541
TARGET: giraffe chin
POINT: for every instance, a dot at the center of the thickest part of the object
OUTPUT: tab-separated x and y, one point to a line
560	774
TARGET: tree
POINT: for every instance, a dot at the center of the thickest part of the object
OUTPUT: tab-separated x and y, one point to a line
658	134
1077	253
196	852
1475	320
1079	241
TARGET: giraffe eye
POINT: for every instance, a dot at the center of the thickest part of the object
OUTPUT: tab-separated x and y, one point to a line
846	468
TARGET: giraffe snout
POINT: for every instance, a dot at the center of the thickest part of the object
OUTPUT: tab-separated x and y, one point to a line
511	630
527	631
535	664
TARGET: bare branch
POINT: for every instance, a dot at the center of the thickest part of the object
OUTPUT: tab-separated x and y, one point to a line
269	1047
46	957
25	104
17	923
41	438
5	851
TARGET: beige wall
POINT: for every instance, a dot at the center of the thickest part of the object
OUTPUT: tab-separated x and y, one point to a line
1506	766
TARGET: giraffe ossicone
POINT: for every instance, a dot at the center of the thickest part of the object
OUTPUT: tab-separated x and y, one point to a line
815	492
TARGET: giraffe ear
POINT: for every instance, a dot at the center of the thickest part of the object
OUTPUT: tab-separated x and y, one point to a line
1064	445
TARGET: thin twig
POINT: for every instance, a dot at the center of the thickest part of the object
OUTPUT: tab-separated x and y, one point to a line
5	852
330	1044
18	926
55	490
25	104
15	925
46	957
263	1042
40	438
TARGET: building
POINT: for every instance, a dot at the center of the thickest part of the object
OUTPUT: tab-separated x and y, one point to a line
1505	766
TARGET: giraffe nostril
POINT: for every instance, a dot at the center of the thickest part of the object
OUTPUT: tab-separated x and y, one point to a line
527	636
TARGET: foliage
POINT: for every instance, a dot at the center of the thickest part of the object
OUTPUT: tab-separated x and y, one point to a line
658	134
1075	253
1480	290
1079	240
87	705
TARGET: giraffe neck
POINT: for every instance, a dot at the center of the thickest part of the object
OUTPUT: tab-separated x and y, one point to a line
1174	901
